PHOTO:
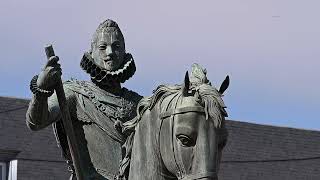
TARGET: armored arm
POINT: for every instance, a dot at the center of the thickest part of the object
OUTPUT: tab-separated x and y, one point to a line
42	111
44	107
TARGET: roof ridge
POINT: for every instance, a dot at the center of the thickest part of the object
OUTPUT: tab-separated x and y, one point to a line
271	160
16	98
272	126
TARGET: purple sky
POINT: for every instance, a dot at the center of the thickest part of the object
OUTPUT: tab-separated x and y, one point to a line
270	48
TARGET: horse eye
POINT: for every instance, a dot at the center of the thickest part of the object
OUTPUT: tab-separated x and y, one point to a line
185	140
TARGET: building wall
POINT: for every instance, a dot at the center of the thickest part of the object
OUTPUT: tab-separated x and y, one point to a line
37	153
41	170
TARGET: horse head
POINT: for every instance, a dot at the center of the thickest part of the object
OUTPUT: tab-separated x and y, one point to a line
192	133
179	132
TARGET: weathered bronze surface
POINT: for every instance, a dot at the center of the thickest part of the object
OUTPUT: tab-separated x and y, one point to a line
97	108
178	133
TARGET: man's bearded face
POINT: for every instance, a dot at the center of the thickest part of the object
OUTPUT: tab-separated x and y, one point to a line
109	51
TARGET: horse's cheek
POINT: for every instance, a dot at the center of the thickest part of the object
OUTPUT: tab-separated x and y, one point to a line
166	148
186	154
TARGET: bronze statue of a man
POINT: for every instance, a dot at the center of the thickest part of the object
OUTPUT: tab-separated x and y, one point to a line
97	108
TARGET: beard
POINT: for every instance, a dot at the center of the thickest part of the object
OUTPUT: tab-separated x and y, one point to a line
103	76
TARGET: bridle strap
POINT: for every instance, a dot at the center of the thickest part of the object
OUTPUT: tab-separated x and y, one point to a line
199	176
171	113
181	111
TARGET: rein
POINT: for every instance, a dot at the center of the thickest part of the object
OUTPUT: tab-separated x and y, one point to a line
178	164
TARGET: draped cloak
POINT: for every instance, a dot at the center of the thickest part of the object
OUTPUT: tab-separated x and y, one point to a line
94	113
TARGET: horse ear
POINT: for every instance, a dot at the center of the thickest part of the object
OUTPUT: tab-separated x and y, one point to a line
224	85
186	84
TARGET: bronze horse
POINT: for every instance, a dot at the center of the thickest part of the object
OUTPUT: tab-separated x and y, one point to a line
179	133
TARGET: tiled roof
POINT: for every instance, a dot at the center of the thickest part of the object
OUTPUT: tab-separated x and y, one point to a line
16	137
260	152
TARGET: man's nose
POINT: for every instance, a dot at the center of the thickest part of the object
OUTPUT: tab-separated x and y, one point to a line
109	50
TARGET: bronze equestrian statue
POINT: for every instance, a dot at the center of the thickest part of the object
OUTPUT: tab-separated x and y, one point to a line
106	131
97	108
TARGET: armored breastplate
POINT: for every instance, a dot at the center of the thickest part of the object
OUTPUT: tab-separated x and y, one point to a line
96	113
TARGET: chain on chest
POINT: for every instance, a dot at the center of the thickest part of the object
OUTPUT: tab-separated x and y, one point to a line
118	108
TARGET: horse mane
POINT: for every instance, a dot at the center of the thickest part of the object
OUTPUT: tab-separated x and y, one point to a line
148	102
128	127
211	100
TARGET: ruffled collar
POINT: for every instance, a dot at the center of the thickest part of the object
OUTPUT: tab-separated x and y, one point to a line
101	76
